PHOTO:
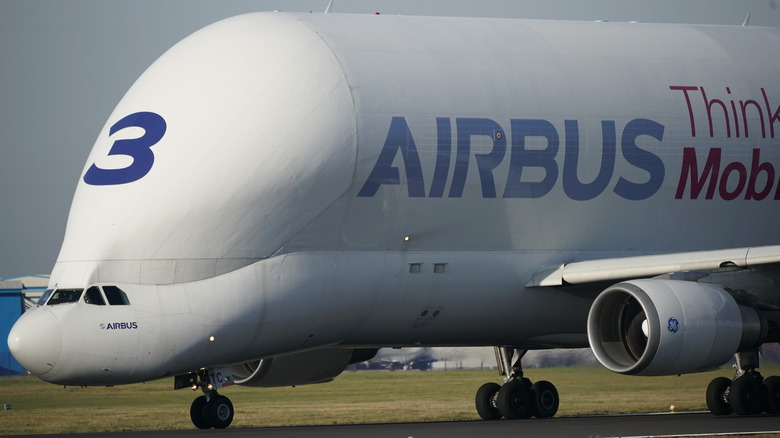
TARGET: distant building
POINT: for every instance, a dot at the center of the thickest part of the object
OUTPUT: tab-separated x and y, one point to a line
16	295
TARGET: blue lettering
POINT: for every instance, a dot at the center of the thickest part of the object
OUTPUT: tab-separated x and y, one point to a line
443	153
536	159
642	159
121	326
138	148
523	157
572	186
399	138
485	162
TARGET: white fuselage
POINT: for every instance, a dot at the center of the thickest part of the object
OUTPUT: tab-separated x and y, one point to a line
368	181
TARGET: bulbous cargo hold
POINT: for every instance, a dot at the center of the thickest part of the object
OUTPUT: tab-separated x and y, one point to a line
226	147
287	133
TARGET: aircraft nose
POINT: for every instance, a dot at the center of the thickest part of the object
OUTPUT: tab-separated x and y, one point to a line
35	341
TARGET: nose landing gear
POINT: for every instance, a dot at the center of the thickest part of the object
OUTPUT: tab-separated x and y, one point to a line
215	411
210	410
517	398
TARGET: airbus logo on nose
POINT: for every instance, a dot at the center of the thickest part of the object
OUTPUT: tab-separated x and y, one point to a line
119	326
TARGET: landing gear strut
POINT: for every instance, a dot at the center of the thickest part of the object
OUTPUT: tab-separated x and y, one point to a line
517	397
210	410
748	394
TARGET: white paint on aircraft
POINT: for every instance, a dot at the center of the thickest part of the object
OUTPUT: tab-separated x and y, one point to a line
292	191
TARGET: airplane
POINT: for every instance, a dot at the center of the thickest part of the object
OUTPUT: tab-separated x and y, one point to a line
280	195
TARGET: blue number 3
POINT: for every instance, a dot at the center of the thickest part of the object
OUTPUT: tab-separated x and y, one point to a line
138	148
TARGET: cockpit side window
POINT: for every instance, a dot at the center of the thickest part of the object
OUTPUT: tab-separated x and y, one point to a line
115	296
44	297
62	296
93	296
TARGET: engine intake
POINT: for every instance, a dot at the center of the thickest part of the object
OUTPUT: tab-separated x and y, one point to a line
663	327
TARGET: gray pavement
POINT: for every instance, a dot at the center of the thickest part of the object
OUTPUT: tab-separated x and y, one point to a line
676	424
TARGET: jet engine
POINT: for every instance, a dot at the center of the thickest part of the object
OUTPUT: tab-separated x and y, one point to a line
315	366
658	327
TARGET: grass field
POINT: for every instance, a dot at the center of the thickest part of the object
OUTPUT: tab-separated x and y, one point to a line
354	397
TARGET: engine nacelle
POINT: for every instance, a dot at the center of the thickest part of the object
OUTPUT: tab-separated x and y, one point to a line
315	366
659	327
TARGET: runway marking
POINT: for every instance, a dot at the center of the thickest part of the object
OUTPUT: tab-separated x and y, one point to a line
758	432
637	414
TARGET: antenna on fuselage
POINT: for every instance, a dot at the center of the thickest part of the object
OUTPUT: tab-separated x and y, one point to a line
744	23
329	7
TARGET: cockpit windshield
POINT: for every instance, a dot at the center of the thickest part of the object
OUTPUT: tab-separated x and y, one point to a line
115	296
93	296
111	295
44	297
63	296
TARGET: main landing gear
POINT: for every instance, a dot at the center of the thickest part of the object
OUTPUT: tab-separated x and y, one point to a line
517	397
210	410
748	394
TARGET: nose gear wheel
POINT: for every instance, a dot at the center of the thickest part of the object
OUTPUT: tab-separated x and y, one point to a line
209	410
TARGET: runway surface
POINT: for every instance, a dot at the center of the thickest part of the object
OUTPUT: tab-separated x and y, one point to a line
586	426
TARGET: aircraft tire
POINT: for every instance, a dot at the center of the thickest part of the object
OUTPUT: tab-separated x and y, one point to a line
515	400
745	395
546	399
198	413
771	386
219	412
718	396
486	401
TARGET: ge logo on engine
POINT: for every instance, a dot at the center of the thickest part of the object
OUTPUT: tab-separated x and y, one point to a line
673	325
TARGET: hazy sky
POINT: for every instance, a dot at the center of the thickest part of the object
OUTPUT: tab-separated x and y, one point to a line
65	64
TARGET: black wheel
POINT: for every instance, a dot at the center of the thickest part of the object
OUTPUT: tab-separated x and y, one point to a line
515	401
486	401
745	395
198	413
771	400
718	396
219	412
546	399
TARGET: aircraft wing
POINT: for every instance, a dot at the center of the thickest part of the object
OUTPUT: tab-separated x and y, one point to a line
590	271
